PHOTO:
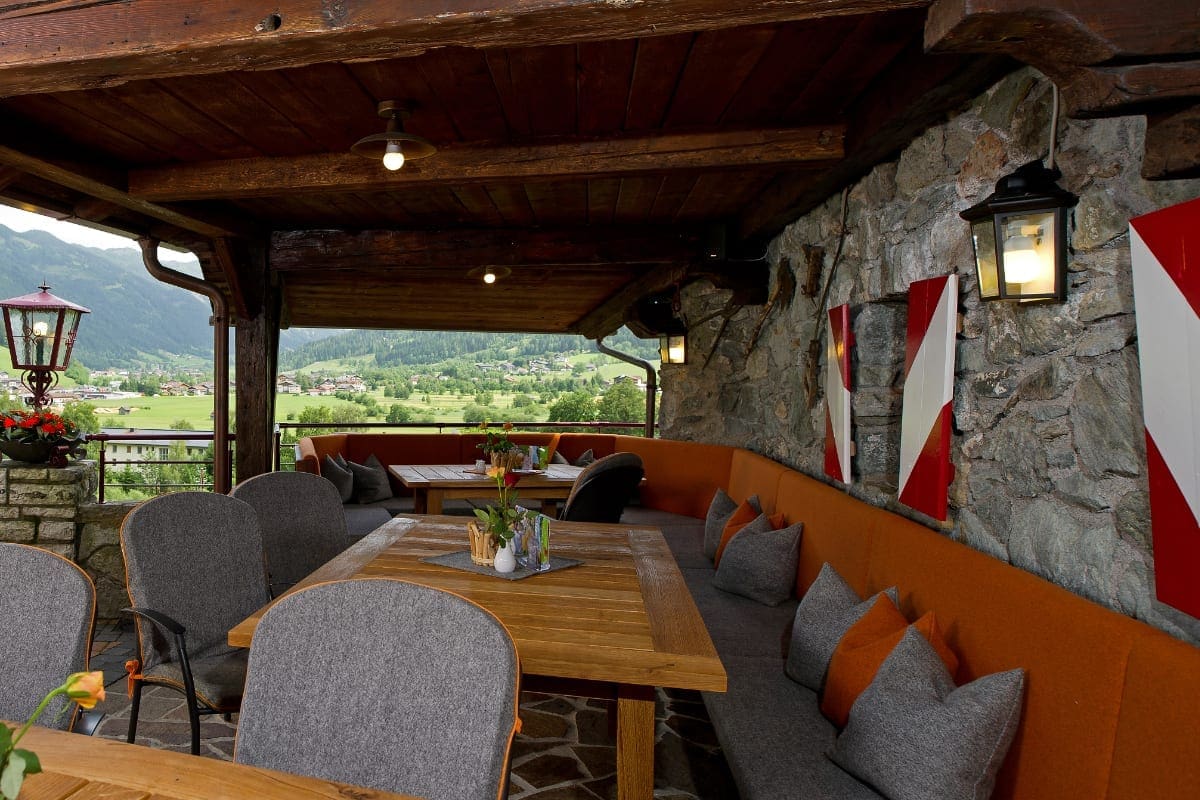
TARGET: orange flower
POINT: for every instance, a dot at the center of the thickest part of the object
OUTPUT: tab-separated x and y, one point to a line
508	426
496	472
85	688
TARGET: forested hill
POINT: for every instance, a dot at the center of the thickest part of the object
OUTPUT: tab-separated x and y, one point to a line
135	319
410	348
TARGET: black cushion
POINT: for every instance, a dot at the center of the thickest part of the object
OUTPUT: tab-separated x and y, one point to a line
370	481
340	476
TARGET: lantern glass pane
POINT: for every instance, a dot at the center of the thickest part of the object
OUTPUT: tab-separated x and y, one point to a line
673	349
983	234
1028	258
33	337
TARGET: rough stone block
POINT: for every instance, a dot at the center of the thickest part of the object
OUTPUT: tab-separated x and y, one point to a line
17	530
53	531
30	494
21	473
10	512
67	551
50	512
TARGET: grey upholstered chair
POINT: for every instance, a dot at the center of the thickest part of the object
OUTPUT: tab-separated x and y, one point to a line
384	684
194	562
602	490
47	607
302	521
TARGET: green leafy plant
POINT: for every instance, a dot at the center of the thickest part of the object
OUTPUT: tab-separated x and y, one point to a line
496	441
501	519
85	688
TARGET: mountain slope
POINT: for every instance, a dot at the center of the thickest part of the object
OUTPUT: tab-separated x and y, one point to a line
135	319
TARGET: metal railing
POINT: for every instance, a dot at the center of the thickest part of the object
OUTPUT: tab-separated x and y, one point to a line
282	447
105	462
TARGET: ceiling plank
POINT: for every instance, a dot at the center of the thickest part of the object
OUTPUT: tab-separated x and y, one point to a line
94	182
390	250
884	120
345	172
106	44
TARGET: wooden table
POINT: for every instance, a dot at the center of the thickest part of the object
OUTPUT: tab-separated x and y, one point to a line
432	484
79	767
616	626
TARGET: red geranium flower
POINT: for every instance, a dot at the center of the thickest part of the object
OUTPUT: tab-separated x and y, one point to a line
511	478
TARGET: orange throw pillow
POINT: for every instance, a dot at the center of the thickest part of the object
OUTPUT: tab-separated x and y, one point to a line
742	516
864	648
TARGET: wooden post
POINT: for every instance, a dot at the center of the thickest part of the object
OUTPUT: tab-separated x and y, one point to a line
257	351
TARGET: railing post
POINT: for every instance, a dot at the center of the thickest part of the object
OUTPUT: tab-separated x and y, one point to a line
100	476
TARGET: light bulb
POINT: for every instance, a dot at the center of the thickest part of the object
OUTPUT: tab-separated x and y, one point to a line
489	277
1021	261
393	157
40	329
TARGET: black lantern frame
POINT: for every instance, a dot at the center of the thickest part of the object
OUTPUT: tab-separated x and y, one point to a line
660	315
1019	233
41	332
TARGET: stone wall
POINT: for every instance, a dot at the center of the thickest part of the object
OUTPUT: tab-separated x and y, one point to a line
56	509
1048	448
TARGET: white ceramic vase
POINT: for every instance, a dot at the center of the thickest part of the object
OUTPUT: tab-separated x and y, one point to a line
506	560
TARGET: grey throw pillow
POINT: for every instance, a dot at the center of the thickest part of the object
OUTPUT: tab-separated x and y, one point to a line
558	458
826	612
370	481
913	736
340	476
719	511
760	562
585	458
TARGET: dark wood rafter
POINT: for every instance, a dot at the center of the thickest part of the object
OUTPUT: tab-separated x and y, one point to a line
382	251
1109	57
608	317
40	50
459	165
8	176
104	185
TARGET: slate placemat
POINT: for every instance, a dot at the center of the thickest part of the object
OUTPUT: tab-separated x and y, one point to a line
461	559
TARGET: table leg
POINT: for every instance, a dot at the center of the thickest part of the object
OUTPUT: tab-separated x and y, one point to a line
550	508
419	501
433	502
635	742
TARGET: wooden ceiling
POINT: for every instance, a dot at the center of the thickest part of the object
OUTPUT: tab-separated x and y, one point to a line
598	150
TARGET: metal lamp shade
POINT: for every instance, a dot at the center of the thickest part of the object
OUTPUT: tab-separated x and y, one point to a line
1020	237
41	330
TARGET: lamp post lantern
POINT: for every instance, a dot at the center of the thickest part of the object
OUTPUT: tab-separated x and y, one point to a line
41	333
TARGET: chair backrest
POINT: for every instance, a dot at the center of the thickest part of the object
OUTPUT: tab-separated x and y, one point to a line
47	605
384	684
603	488
302	521
198	558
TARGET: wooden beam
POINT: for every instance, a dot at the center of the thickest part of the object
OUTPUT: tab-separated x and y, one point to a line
80	46
1129	89
8	176
1172	145
610	315
384	250
1064	31
257	352
102	185
915	92
95	210
458	165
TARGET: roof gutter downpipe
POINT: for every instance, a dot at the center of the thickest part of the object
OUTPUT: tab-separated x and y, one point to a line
651	380
220	322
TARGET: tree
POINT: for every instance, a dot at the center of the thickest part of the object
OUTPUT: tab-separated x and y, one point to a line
522	401
78	372
475	414
82	415
182	425
399	413
622	402
574	407
484	399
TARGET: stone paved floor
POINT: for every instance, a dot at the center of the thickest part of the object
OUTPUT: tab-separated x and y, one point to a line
565	751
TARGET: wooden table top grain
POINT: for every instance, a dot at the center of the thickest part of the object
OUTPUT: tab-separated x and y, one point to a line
624	616
454	476
79	767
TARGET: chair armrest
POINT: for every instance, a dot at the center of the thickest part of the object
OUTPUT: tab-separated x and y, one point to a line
159	618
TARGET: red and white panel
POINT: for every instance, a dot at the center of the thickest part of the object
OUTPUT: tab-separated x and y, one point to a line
838	340
1165	246
925	423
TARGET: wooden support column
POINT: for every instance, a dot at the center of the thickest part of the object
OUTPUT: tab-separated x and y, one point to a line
257	350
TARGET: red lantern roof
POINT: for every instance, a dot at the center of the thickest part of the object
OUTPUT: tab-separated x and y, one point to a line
42	301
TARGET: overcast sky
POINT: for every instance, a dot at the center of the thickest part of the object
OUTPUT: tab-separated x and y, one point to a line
77	234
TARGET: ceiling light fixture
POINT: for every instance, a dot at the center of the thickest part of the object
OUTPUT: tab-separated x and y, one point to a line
489	275
1020	232
394	147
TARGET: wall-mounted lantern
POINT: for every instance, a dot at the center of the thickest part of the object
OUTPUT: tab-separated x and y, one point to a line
41	333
